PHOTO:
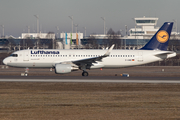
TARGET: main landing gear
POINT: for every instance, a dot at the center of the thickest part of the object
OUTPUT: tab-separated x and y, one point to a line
84	73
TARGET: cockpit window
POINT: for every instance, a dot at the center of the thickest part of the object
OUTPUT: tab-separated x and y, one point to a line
14	55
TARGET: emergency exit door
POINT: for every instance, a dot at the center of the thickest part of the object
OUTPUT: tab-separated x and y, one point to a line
26	55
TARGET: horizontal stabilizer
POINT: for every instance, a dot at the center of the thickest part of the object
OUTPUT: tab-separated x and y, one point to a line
165	55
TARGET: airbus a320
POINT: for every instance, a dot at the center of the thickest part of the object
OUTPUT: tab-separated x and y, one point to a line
66	61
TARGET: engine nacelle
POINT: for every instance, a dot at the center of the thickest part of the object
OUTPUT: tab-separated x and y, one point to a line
62	68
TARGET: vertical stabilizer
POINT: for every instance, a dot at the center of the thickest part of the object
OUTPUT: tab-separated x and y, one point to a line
161	39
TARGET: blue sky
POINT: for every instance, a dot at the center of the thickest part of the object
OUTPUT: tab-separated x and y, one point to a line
16	15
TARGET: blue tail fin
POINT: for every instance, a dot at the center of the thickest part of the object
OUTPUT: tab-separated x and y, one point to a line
161	39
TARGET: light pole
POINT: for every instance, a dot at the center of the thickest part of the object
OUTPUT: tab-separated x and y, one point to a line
28	29
85	30
104	24
57	27
3	29
121	39
106	30
126	35
37	17
76	25
71	17
176	26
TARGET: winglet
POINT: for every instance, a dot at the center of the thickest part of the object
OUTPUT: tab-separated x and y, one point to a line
109	51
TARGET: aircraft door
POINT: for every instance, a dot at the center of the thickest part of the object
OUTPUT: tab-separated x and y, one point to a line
26	55
140	56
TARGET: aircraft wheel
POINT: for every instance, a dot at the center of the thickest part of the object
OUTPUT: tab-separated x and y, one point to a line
85	73
25	74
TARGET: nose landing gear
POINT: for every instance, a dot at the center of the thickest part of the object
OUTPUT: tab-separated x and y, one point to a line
25	73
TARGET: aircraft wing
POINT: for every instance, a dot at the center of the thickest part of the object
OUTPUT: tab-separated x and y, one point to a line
89	61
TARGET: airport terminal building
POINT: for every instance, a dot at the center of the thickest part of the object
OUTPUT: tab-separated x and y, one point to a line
135	38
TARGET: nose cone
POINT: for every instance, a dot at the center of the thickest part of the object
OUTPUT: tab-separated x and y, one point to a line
5	61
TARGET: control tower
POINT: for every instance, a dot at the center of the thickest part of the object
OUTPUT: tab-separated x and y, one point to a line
146	21
147	26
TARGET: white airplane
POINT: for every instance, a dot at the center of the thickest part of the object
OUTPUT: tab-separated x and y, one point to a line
66	61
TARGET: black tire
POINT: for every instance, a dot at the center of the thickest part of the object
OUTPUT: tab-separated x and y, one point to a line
25	74
85	73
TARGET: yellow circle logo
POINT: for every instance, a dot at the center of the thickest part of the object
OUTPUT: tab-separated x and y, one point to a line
162	36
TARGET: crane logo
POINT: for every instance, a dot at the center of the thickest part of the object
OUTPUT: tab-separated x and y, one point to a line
162	36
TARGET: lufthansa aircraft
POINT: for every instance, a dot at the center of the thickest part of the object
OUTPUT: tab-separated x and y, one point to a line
66	61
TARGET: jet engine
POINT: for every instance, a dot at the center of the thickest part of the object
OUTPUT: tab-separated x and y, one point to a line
64	68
